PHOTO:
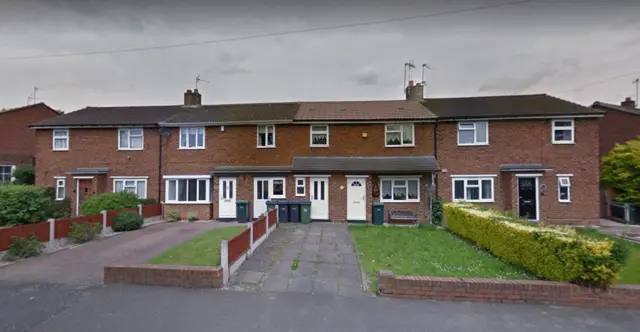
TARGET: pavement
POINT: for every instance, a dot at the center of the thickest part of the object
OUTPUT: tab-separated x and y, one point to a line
317	258
629	232
84	265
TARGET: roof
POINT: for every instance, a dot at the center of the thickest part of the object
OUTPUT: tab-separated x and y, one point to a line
113	116
505	106
524	167
363	110
387	165
235	113
83	171
28	107
634	111
250	169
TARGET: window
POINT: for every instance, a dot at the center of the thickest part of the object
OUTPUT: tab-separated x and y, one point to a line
473	189
132	185
564	189
192	138
60	189
188	190
267	136
319	135
277	185
400	189
6	173
399	135
61	140
130	139
562	131
300	186
473	133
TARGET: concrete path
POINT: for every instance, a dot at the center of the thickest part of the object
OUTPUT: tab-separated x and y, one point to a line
84	265
318	258
629	232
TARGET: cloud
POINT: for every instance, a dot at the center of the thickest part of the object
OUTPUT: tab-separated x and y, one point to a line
368	76
517	84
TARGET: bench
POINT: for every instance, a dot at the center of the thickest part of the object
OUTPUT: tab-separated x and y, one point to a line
402	217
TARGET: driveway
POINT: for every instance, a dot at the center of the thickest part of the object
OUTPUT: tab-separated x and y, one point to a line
83	265
318	258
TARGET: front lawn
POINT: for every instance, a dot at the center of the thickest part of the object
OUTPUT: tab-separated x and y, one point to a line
425	251
202	250
630	273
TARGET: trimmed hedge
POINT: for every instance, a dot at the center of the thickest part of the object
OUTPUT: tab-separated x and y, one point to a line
552	253
127	221
109	201
22	204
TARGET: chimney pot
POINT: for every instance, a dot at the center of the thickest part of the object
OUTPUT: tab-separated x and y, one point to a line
628	102
411	83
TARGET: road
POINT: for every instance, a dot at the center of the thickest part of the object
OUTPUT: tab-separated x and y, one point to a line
57	308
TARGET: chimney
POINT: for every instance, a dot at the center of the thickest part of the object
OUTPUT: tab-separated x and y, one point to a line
628	103
197	98
192	98
414	92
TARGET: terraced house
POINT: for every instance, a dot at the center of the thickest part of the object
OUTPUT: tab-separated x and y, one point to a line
534	154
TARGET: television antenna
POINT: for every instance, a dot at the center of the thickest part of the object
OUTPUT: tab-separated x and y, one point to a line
637	83
407	72
33	98
424	66
198	80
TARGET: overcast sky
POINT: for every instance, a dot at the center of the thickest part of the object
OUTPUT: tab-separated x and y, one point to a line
559	47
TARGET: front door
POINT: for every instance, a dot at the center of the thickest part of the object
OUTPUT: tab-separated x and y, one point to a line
528	197
84	191
356	199
319	198
261	190
227	198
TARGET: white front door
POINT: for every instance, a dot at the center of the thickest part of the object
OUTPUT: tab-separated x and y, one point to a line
319	198
227	198
261	196
356	199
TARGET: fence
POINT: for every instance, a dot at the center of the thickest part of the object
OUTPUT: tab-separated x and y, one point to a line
235	251
628	213
52	229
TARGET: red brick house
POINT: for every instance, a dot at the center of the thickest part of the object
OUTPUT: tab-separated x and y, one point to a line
17	141
535	154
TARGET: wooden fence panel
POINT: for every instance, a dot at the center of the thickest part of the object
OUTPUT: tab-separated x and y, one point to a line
151	210
273	217
40	230
239	245
259	228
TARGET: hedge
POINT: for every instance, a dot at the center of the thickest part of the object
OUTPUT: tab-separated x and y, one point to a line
109	201
552	253
22	204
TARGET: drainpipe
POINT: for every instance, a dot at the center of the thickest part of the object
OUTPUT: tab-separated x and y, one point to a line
435	151
159	166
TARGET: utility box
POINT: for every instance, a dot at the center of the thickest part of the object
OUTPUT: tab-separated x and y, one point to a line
305	212
283	211
377	213
242	210
294	211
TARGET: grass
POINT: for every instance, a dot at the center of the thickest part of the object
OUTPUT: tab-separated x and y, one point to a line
630	273
425	251
202	250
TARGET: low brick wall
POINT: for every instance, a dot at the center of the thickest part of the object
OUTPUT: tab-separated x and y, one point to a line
164	275
507	291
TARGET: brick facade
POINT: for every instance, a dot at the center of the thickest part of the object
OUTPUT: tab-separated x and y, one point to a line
617	127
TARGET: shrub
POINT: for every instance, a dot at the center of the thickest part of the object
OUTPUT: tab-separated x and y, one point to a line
146	201
24	174
84	232
127	221
23	248
621	171
109	201
436	211
192	217
557	253
22	204
172	216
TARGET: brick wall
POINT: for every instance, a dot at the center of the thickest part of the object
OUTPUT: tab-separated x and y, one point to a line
163	275
617	127
507	291
200	211
17	140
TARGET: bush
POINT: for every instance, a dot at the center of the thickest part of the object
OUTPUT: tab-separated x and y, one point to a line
22	204
23	248
59	209
172	216
84	232
436	211
109	201
127	221
621	171
192	217
24	174
146	201
557	253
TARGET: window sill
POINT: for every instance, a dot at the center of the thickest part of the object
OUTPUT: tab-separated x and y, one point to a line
202	148
265	147
564	202
303	195
60	150
400	146
59	199
277	197
470	201
319	146
187	203
399	202
474	144
562	143
141	149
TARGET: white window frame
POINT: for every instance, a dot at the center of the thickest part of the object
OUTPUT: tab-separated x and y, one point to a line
174	199
136	179
184	145
474	129
65	137
128	130
303	186
465	179
284	188
399	178
318	132
266	133
401	131
554	128
567	179
61	183
12	169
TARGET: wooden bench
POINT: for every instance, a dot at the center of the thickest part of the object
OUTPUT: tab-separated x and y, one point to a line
402	217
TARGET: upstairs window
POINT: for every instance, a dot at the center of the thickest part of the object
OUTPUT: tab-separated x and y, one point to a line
130	139
319	135
267	136
473	133
60	140
564	189
562	131
399	135
473	189
192	138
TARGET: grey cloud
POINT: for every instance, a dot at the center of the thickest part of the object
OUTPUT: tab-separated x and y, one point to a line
517	84
368	76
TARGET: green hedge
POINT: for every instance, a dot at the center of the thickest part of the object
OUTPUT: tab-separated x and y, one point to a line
22	204
109	201
552	253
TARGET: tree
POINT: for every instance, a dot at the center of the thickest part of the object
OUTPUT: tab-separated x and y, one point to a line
24	174
621	171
